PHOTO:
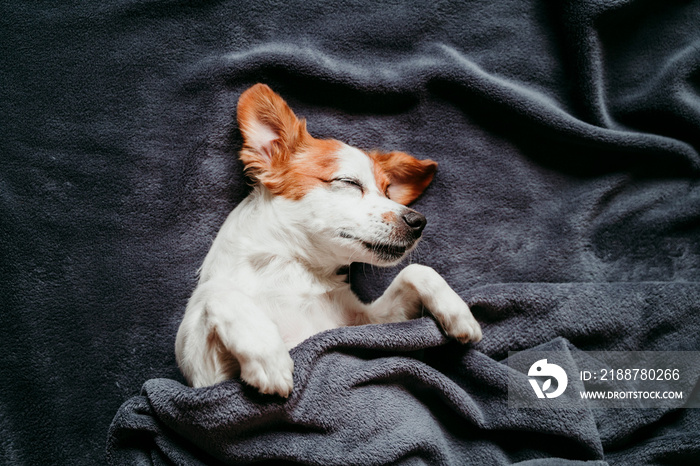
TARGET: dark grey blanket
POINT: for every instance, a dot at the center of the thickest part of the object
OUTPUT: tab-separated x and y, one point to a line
565	211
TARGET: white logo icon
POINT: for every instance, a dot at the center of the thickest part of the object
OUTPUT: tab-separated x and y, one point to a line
542	369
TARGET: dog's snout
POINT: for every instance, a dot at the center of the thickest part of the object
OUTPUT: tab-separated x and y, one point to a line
415	221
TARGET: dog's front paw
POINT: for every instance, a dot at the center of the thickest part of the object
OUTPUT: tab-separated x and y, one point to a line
270	372
462	326
455	317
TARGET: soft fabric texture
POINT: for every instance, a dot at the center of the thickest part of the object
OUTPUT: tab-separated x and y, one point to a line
565	211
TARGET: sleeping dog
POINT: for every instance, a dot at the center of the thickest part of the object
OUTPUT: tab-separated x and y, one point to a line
275	274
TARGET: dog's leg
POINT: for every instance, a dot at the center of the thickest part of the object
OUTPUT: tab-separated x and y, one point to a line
249	335
416	287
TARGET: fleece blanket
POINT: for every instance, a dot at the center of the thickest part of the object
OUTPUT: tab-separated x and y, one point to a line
565	211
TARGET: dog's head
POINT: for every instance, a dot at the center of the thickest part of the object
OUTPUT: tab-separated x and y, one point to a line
349	203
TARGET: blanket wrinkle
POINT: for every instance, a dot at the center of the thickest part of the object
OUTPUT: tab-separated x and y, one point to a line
227	414
447	66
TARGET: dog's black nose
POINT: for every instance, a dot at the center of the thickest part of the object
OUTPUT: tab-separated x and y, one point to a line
415	221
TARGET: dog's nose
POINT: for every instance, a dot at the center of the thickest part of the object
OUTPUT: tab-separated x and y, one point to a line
415	221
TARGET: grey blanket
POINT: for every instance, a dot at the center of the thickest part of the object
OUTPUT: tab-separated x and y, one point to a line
565	211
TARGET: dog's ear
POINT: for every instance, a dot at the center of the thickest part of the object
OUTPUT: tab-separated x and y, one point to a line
405	177
271	132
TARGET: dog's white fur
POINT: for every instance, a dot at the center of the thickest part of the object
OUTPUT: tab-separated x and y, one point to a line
271	277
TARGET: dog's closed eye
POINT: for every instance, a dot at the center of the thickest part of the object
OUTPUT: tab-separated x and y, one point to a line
351	183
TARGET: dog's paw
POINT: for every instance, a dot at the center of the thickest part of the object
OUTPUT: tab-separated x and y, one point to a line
443	302
463	326
455	317
271	373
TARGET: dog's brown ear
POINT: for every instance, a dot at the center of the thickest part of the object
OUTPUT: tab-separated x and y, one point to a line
402	176
271	132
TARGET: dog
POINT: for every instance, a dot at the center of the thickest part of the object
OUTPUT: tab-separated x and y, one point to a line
276	273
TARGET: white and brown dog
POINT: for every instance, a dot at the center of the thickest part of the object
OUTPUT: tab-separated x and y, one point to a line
271	278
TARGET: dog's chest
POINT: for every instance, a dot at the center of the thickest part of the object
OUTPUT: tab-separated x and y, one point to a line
303	311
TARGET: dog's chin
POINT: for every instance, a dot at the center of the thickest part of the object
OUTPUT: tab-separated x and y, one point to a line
380	252
387	253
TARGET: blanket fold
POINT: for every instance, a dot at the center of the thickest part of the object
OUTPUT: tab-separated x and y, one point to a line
363	395
383	394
